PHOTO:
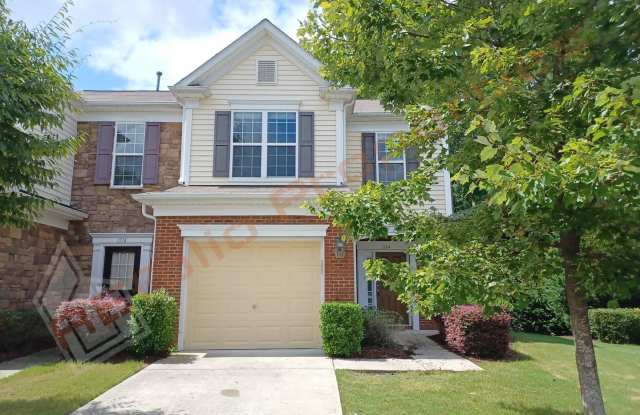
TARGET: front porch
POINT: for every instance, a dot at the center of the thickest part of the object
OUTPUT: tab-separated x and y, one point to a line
372	294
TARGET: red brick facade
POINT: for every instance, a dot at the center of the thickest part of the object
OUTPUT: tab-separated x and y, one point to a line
167	265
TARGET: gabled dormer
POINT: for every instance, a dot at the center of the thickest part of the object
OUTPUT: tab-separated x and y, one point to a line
258	112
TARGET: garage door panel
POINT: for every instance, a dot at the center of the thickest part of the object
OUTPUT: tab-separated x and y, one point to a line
264	295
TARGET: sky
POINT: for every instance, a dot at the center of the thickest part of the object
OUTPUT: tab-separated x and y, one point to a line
122	43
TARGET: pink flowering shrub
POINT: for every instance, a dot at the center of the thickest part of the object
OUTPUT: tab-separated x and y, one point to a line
87	312
468	331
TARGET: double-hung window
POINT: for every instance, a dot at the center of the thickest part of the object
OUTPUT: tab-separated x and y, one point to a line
128	154
390	167
264	144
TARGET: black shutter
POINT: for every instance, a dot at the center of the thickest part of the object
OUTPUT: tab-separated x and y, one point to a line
305	144
368	157
221	144
411	159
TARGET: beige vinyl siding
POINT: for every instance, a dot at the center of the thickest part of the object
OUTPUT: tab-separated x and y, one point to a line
62	191
240	84
354	164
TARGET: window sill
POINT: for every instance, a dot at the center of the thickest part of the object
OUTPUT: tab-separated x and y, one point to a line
125	187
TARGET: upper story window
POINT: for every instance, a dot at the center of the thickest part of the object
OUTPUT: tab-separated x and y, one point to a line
128	154
264	144
267	71
389	168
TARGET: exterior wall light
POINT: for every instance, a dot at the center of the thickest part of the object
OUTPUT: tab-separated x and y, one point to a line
340	248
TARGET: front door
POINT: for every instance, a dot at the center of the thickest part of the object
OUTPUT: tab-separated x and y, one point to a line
387	299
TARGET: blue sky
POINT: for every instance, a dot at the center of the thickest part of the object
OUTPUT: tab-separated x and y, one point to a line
122	43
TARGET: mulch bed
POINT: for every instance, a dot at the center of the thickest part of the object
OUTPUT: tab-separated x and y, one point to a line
127	355
375	352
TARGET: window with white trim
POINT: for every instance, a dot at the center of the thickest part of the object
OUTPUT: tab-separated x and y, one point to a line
389	167
264	144
128	154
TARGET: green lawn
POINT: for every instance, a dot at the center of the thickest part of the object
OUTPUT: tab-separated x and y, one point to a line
62	387
543	381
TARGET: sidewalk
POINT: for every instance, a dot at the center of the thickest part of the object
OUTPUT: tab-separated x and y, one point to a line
14	366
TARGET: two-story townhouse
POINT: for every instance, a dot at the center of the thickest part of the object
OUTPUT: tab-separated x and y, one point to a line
199	190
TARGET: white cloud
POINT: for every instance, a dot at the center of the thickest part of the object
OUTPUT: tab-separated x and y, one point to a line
135	38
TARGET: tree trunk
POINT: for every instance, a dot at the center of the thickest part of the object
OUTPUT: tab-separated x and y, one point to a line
590	391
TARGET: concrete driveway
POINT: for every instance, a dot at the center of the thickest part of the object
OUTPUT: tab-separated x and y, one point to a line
227	382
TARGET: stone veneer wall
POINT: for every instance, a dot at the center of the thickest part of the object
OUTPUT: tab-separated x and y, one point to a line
25	255
112	210
167	267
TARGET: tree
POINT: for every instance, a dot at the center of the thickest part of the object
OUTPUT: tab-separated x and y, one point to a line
539	102
37	92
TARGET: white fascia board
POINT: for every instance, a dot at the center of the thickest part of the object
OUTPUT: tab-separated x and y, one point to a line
253	231
229	204
128	113
59	216
246	44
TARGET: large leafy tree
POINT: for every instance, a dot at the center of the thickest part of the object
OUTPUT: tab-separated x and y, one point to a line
539	102
36	93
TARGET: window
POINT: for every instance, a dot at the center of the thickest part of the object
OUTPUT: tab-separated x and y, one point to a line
267	71
128	154
121	268
390	168
264	144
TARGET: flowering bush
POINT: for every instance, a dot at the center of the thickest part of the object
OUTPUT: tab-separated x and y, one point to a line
90	313
470	332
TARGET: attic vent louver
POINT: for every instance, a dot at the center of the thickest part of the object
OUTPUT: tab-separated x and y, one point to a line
267	72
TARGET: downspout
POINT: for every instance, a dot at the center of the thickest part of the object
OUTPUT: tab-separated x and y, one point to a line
153	244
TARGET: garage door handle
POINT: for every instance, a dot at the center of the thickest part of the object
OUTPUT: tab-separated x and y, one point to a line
254	306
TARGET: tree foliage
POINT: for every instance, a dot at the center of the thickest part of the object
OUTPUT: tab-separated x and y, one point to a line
539	102
36	93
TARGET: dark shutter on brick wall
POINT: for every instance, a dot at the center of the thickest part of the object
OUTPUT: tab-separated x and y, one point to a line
411	159
104	152
368	157
151	153
221	144
306	144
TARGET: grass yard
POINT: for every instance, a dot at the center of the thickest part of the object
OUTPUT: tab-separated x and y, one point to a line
62	387
543	381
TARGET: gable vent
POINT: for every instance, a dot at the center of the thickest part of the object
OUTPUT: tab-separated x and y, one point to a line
267	72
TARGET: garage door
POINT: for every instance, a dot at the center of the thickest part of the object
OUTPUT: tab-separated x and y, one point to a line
265	294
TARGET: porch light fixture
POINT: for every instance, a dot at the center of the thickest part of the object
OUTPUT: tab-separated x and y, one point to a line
340	248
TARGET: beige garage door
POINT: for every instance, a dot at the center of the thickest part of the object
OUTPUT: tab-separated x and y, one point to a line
264	294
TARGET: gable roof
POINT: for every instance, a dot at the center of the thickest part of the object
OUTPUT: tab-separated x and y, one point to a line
244	46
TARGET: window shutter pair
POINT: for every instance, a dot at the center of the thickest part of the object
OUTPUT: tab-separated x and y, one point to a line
222	144
104	153
369	158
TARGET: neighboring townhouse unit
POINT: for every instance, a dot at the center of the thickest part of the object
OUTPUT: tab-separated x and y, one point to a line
199	190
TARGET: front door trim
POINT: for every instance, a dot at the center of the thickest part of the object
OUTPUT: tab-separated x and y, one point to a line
366	250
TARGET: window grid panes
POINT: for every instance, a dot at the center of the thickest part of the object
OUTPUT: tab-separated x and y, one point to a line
128	154
122	268
247	127
276	132
390	167
247	161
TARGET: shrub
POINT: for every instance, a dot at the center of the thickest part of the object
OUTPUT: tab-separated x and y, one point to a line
87	312
153	323
542	317
379	326
472	333
544	311
616	325
342	328
23	331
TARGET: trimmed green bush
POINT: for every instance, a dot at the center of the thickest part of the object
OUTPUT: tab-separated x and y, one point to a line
342	328
615	325
153	323
23	331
